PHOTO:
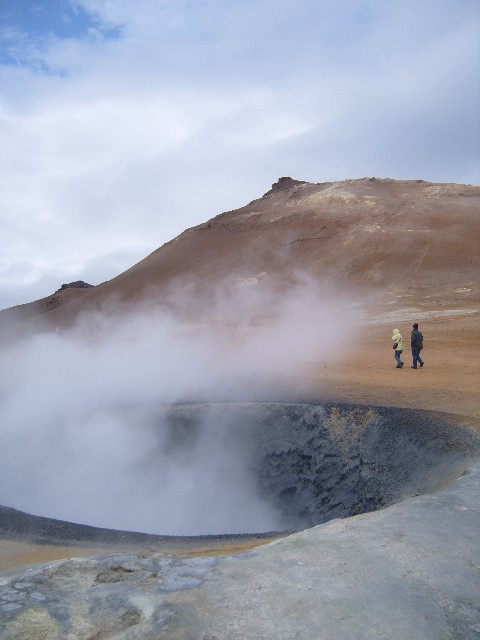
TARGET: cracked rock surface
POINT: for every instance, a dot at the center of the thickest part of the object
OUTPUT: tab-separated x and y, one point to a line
409	571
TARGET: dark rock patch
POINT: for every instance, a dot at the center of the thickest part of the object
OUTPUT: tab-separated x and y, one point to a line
78	284
282	184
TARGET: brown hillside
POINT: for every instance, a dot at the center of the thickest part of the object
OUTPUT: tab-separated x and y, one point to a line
407	241
410	243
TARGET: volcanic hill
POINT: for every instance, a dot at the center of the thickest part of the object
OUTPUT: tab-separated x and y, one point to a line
410	244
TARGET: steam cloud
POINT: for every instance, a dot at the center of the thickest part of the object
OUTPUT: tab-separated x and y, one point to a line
85	432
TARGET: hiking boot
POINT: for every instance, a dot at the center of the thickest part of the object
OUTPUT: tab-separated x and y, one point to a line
413	367
421	364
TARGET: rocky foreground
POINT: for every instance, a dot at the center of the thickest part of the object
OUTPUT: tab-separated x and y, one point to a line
408	571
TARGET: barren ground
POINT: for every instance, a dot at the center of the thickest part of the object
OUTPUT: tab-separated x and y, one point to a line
449	381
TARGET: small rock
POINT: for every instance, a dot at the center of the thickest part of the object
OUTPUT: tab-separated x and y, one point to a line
10	606
23	585
37	596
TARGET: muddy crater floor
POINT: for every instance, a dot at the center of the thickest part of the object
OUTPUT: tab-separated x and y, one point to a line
316	462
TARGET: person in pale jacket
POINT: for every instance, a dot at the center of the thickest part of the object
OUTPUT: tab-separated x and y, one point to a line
397	339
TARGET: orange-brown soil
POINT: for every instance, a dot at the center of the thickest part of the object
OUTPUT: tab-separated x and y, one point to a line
15	554
449	381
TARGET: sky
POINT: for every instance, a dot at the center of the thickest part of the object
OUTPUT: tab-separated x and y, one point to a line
124	122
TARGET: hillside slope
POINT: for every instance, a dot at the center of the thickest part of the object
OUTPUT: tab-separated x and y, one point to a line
404	243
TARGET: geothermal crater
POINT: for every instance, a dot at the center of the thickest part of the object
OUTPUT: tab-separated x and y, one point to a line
305	463
315	462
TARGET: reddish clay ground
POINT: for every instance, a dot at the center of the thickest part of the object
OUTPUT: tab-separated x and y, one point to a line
448	382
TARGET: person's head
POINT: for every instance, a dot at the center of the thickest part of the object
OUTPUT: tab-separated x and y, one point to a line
415	325
396	331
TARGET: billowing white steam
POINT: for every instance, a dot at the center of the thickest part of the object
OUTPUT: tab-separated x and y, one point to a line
82	412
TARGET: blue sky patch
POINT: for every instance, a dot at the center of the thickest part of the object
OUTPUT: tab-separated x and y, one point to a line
25	24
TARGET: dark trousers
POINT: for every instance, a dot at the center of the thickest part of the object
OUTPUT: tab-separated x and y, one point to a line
397	358
416	357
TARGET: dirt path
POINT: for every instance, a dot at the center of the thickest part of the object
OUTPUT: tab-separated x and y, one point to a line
449	381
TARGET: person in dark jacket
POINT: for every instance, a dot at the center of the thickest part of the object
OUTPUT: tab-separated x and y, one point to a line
416	339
